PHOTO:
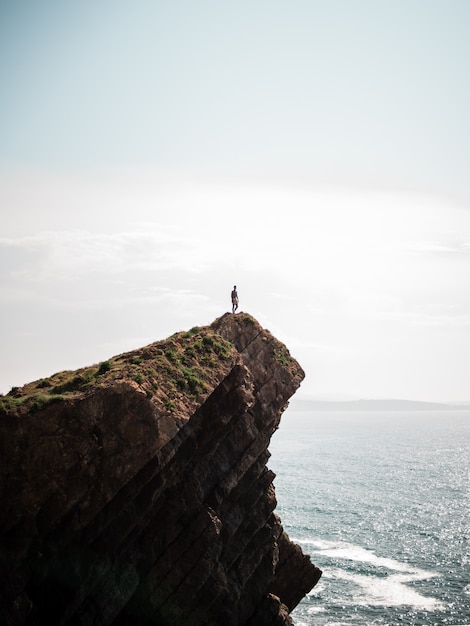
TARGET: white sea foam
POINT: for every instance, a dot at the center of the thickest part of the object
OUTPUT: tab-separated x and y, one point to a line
351	552
386	591
376	590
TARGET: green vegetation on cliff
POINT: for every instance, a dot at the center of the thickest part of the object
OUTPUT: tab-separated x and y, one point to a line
168	368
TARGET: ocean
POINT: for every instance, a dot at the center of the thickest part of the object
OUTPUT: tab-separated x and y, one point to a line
381	502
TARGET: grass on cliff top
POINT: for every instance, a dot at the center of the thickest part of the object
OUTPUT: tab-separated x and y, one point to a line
166	369
280	351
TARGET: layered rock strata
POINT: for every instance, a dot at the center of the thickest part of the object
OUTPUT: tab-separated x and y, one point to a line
137	493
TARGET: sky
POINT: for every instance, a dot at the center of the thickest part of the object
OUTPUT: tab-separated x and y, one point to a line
313	152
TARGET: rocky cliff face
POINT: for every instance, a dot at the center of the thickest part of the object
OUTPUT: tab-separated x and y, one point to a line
136	492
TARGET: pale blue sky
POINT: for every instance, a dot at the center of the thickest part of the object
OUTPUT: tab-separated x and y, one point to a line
357	91
316	153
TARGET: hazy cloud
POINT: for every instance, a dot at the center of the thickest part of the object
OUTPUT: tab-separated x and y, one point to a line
461	246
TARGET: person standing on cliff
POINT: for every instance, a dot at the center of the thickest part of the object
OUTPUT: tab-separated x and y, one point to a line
234	299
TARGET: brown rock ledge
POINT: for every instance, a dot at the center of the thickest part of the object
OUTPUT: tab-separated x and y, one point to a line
136	492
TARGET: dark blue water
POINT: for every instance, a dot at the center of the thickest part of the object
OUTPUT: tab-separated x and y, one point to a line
381	502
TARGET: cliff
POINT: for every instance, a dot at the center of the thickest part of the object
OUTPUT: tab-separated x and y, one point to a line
136	492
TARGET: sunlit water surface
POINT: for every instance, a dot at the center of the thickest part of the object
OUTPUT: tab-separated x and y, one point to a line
380	500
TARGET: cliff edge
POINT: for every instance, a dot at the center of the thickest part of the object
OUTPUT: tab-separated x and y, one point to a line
136	492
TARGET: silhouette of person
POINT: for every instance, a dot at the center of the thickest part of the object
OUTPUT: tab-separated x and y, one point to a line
234	299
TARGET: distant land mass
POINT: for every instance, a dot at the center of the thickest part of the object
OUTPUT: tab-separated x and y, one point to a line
300	404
